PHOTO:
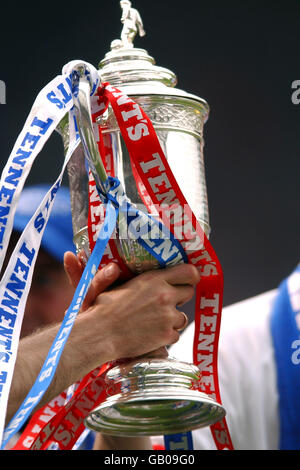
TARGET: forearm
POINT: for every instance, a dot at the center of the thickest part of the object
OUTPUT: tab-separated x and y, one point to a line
83	351
32	352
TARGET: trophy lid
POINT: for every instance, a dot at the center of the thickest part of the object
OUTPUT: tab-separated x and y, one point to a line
131	66
133	70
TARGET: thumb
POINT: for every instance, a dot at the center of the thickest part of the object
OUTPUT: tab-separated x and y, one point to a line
73	268
103	279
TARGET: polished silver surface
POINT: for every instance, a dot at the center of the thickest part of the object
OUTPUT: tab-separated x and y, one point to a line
82	109
148	396
154	397
132	23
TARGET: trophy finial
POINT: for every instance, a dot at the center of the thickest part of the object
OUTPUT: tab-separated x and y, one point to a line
124	63
132	23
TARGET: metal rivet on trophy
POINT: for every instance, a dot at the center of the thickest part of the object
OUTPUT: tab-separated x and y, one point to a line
147	396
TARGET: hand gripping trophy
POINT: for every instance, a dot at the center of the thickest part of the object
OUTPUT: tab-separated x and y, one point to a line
148	396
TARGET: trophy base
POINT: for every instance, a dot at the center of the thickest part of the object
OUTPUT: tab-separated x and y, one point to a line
155	398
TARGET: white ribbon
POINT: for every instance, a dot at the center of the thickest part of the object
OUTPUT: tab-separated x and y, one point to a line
50	106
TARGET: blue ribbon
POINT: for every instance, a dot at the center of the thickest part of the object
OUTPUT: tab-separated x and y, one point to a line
115	200
180	441
285	335
42	382
147	231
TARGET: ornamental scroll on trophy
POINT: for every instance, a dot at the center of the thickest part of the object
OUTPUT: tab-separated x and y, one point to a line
152	396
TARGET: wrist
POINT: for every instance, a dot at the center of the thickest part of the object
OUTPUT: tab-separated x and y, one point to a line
91	342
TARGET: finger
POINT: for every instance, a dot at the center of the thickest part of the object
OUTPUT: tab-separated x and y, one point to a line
181	274
174	337
104	278
160	353
182	322
183	294
73	268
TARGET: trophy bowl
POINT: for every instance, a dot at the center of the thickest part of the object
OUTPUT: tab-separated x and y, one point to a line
147	396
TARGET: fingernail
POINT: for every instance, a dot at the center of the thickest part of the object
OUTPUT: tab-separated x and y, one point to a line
109	270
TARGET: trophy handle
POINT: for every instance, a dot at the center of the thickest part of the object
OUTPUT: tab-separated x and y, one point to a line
82	109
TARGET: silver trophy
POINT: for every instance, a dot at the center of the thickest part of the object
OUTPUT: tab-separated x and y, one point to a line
147	396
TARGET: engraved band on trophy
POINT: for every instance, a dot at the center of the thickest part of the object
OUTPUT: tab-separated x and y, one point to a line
152	396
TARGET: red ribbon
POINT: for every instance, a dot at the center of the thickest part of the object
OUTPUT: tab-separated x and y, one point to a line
150	164
158	188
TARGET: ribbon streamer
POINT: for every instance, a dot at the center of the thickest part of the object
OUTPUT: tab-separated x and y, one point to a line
151	168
